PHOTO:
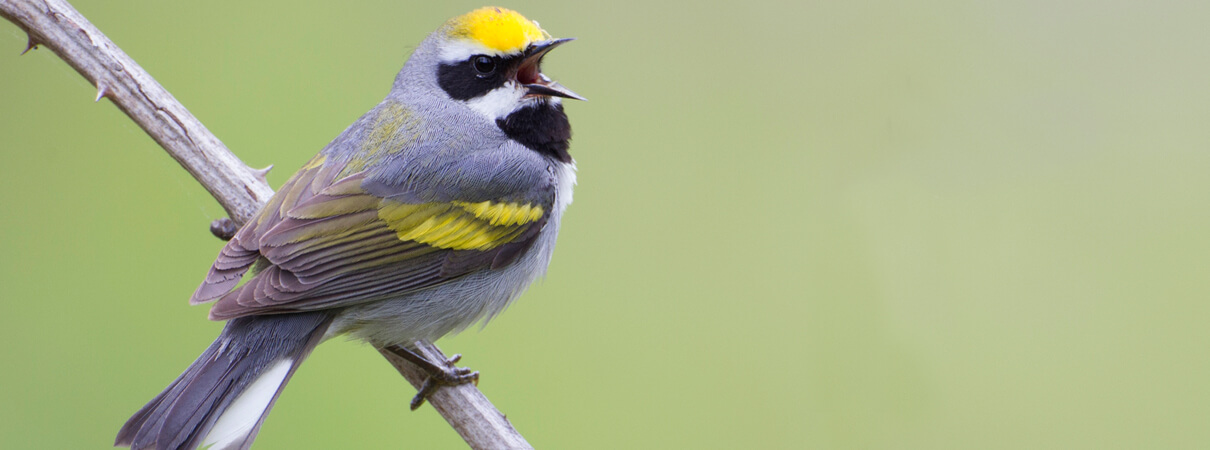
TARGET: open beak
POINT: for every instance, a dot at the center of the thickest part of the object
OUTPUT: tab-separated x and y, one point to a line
530	73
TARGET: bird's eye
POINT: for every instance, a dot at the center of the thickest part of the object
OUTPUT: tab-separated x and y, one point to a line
484	65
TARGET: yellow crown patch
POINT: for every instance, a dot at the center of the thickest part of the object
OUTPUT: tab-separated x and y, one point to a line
499	29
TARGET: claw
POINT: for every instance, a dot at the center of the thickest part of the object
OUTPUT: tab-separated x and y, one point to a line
440	374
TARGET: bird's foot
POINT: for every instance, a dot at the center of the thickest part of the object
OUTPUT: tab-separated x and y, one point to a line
440	374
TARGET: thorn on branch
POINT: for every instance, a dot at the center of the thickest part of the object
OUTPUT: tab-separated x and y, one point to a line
30	44
223	229
261	173
102	91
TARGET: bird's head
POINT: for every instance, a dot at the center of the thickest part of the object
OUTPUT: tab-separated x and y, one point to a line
491	60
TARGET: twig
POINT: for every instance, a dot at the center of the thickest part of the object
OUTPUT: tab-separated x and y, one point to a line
239	189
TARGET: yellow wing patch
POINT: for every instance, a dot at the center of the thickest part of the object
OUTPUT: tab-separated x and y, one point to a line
459	225
503	213
503	30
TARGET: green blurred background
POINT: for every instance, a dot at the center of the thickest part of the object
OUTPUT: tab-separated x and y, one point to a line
798	225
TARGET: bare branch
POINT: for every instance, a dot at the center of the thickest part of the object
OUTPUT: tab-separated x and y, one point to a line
58	26
239	189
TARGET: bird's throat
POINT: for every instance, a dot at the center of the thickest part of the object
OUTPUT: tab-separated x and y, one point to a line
542	127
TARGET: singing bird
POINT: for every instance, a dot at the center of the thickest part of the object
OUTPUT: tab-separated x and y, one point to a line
430	213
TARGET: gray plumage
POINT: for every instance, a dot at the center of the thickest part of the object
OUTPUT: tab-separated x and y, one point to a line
420	219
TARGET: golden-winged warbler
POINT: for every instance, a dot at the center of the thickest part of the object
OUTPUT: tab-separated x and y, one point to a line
430	213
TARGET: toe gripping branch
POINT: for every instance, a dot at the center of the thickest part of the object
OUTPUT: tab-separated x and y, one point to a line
440	374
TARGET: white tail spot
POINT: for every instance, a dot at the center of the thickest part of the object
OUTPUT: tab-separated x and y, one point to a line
243	414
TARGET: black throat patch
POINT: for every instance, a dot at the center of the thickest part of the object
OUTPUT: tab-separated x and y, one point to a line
542	127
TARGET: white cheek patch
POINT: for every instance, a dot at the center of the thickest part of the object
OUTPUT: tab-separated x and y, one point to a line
505	100
500	102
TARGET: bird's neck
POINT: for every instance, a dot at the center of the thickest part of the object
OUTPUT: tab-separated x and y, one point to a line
542	127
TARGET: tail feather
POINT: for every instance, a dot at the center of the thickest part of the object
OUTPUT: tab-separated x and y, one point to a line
222	398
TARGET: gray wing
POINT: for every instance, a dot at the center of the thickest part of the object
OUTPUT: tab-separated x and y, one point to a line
330	238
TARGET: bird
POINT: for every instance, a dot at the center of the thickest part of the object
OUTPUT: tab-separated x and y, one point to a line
430	213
